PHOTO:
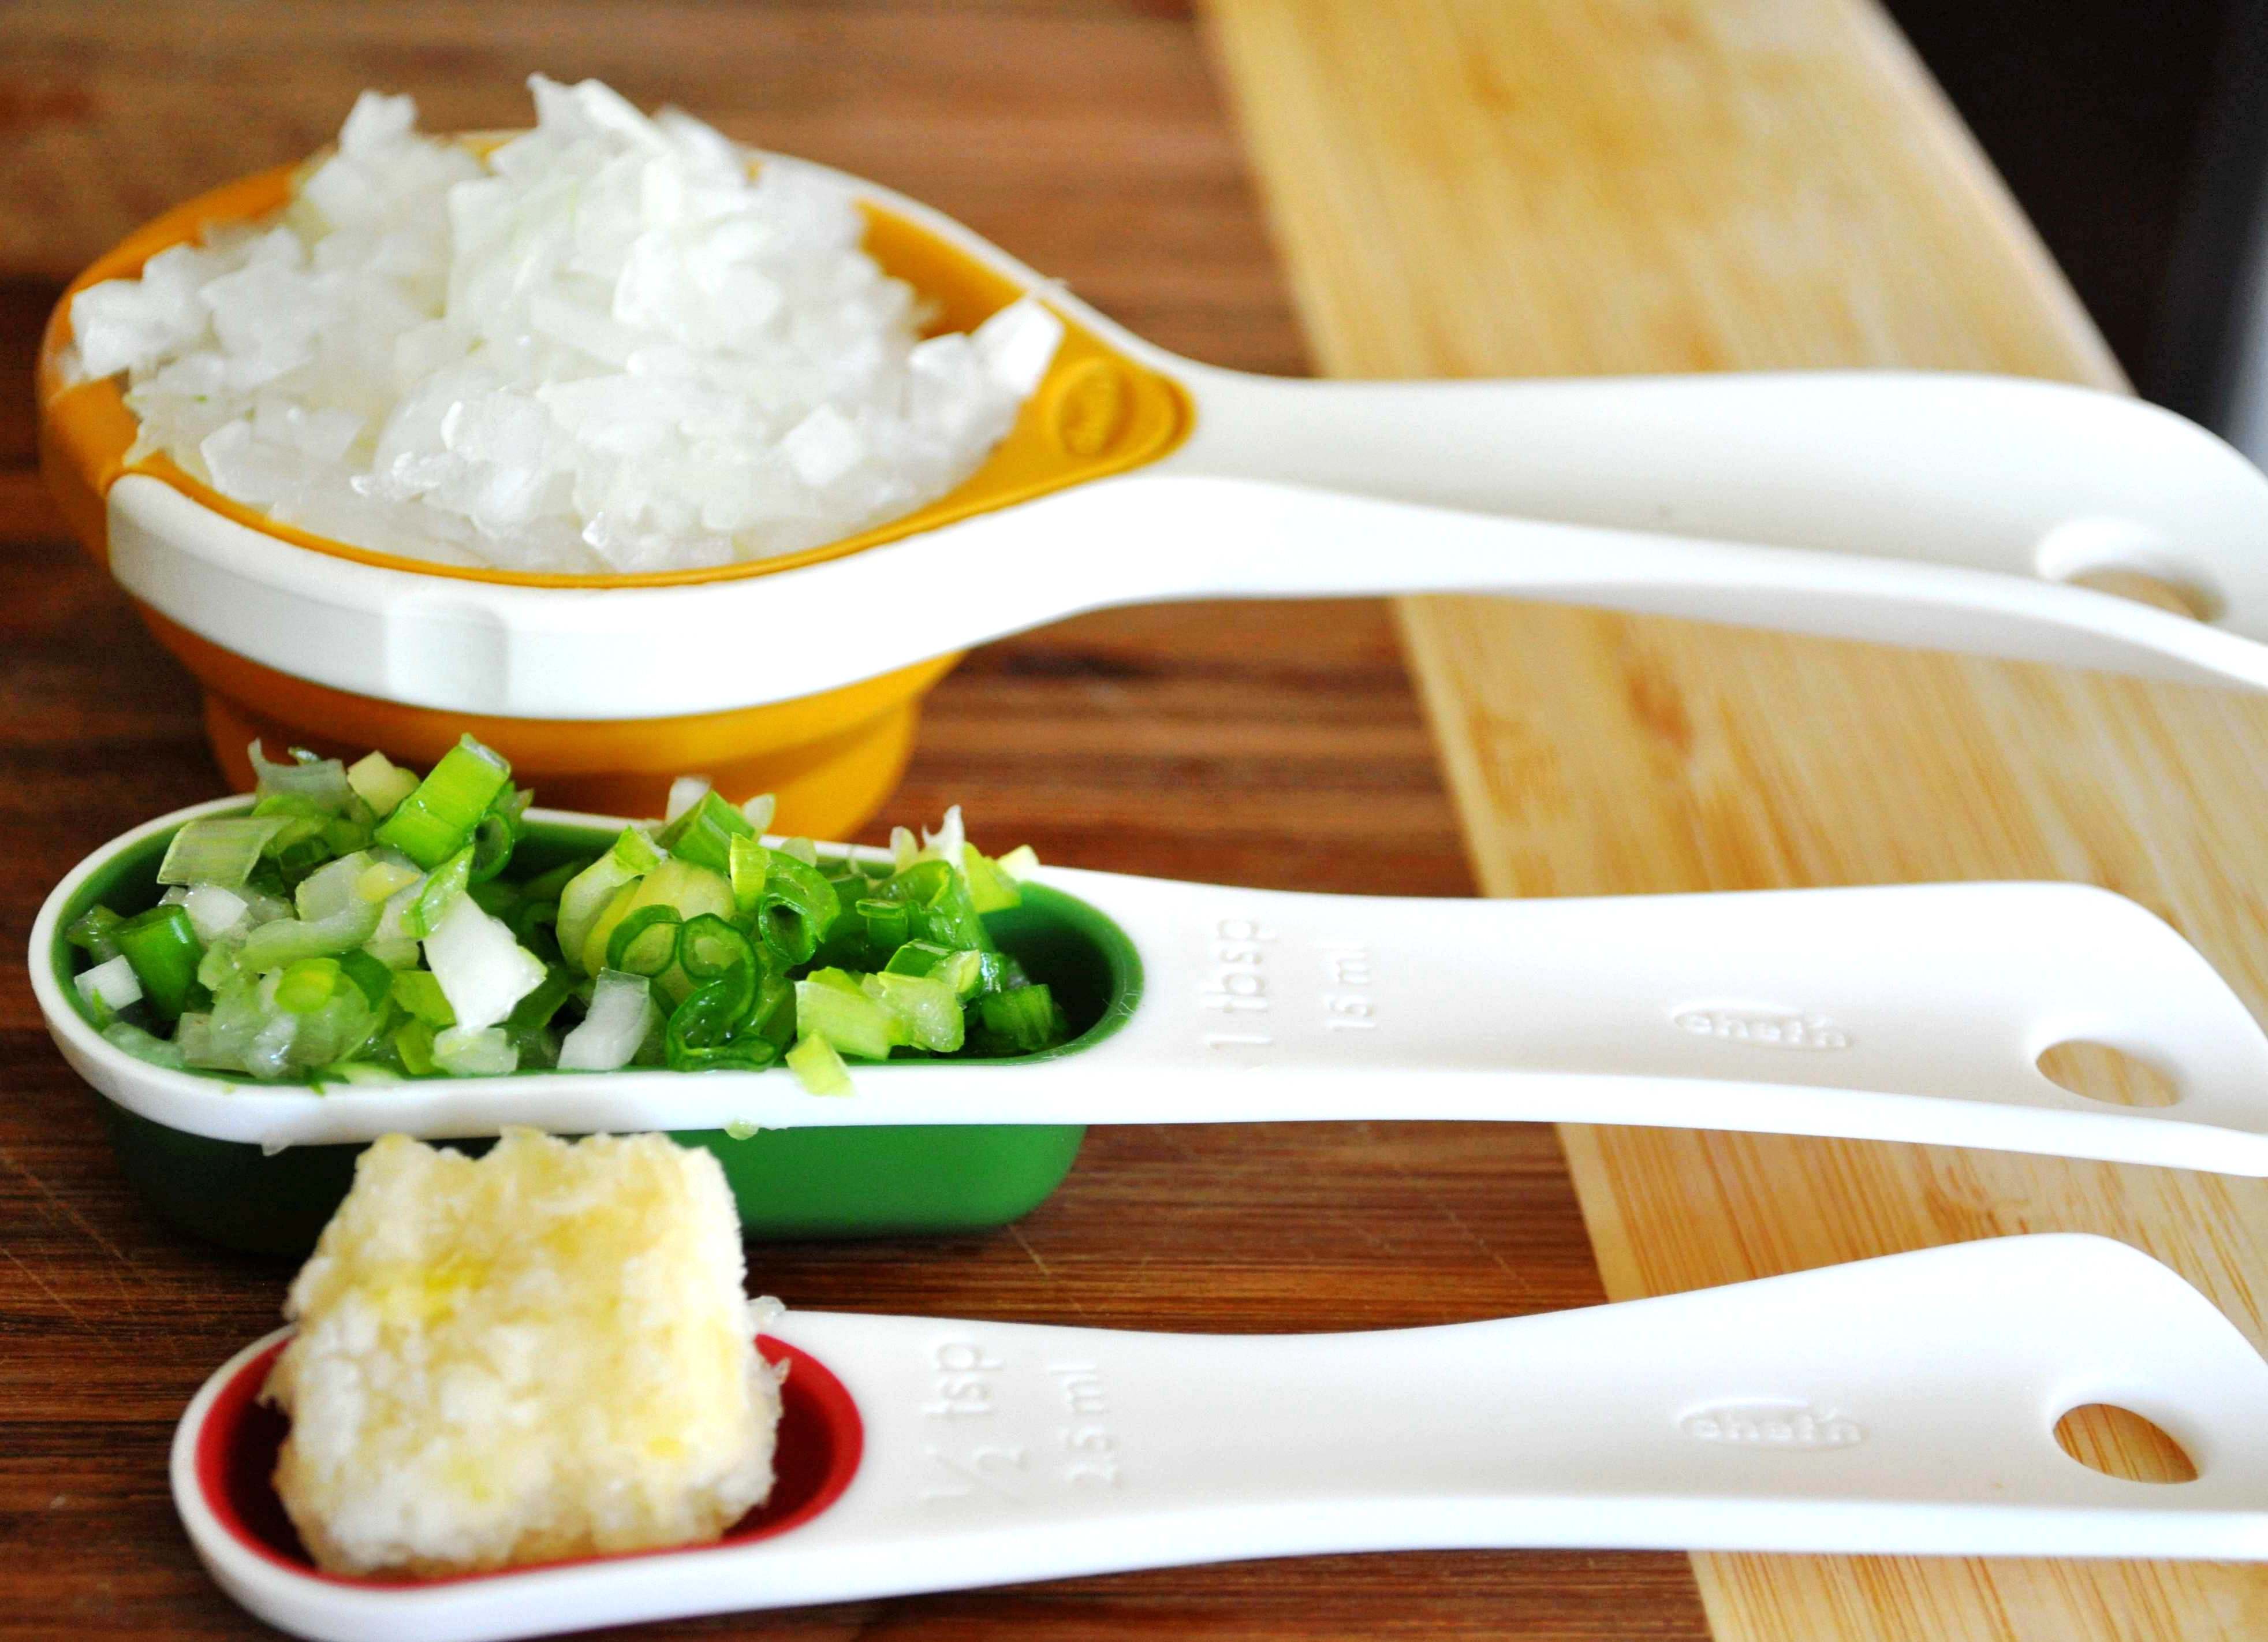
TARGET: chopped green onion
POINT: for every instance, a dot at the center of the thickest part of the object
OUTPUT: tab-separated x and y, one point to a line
446	882
989	889
343	835
534	925
753	1055
1019	863
587	895
219	850
831	1004
816	1063
95	932
300	819
360	925
709	948
644	943
322	782
393	954
494	836
380	783
772	1016
353	1072
308	984
531	1017
335	920
1022	1021
144	1046
962	971
330	891
794	909
703	1029
888	924
943	910
437	820
928	1012
162	945
413	1041
704	834
374	979
384	881
686	889
758	811
748	864
418	991
548	887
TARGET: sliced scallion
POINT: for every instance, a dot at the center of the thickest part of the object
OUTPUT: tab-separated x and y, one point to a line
95	932
704	834
644	943
794	909
989	889
218	850
162	945
830	1004
816	1063
442	888
380	783
419	994
1022	1021
927	1011
437	819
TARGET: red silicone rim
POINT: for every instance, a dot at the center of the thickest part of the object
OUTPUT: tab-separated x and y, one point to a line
821	1441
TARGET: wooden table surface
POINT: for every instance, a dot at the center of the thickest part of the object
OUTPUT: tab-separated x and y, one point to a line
1623	179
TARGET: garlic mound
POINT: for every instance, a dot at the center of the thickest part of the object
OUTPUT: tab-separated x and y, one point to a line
543	1353
605	348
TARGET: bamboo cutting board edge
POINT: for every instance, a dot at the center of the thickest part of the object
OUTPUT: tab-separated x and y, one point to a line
1767	183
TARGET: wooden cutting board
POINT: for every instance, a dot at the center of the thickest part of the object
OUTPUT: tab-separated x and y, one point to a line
1542	186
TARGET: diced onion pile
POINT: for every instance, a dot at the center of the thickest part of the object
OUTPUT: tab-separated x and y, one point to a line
605	348
362	925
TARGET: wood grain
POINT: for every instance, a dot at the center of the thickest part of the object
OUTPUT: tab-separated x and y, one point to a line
1533	187
1260	744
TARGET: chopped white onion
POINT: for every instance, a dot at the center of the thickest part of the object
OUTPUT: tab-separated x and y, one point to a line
947	842
113	985
622	1013
213	912
685	792
482	971
606	347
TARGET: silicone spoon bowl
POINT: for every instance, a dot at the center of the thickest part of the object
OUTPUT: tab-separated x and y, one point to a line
1908	1013
1935	509
1898	1406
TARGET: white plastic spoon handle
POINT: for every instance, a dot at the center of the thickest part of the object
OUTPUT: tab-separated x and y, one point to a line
1988	472
1898	1406
1906	1012
1906	508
